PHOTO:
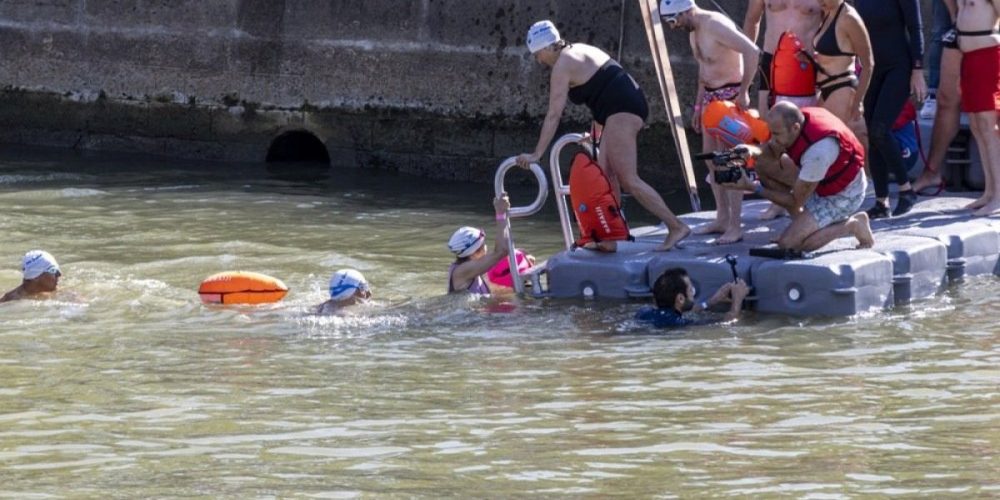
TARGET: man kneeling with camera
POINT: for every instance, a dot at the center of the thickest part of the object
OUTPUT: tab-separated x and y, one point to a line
825	198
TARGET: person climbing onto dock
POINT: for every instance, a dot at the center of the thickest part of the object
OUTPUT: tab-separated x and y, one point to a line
587	75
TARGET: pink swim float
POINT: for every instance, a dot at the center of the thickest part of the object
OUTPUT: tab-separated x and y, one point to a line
499	275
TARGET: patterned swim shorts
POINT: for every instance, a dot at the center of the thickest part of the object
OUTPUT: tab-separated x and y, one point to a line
829	210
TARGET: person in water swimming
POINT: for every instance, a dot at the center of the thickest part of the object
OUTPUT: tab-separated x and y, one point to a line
895	29
41	275
674	295
472	256
587	75
727	65
347	288
841	42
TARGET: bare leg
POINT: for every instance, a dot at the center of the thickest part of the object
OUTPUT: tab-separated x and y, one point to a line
618	152
986	122
721	222
734	231
983	127
945	119
780	174
805	235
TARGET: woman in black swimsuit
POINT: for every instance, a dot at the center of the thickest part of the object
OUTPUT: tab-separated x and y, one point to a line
587	75
897	38
841	39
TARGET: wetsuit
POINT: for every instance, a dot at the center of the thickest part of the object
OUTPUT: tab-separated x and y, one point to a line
611	90
896	33
662	318
826	44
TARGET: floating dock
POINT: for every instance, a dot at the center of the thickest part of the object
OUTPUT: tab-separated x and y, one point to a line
914	258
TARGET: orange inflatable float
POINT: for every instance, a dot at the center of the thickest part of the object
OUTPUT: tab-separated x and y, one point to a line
792	75
240	287
598	211
726	123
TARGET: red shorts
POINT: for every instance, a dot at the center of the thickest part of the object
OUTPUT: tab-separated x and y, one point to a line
981	80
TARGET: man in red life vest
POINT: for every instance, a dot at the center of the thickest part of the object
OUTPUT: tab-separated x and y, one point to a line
825	199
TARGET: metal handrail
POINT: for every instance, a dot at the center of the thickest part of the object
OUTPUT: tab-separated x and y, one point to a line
526	211
560	189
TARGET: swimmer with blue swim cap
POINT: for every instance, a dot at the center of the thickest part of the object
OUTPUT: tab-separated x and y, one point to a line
41	275
347	288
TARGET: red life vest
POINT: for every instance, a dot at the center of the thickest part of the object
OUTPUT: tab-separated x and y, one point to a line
791	74
821	124
598	211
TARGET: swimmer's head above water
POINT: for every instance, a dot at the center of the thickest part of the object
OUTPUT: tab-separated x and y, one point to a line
348	286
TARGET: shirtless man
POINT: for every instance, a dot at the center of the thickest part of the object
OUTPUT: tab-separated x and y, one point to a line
728	63
801	17
980	82
41	277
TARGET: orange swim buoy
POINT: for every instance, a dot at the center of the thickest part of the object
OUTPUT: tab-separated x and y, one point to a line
598	211
791	74
726	123
241	287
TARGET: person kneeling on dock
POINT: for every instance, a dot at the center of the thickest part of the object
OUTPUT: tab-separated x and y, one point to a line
674	295
41	276
825	198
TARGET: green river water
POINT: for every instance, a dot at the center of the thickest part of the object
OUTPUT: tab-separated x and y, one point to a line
126	386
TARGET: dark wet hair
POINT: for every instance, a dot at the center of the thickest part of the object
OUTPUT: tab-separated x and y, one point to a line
668	285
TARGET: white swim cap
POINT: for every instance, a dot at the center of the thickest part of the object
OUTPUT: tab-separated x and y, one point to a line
541	35
344	282
673	7
38	262
466	241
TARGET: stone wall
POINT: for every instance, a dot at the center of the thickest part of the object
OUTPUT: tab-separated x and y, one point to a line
437	87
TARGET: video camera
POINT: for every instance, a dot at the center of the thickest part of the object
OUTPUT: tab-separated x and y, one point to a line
735	161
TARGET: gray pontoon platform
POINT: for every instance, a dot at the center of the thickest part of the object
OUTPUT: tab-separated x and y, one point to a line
915	256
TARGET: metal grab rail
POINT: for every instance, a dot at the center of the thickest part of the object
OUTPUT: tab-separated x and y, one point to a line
560	189
526	211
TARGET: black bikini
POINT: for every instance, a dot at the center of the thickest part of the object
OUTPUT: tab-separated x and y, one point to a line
827	45
611	90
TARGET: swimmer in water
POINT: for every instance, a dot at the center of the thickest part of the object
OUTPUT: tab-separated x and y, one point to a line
41	277
347	288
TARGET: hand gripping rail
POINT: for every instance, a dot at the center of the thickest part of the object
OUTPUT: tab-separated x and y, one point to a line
526	211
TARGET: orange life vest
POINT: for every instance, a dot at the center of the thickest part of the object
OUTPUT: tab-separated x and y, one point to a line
726	123
791	74
598	211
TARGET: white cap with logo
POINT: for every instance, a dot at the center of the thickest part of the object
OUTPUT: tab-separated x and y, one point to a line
672	7
541	35
38	262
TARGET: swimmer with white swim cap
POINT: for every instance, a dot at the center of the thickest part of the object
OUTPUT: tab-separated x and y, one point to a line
347	288
472	256
41	276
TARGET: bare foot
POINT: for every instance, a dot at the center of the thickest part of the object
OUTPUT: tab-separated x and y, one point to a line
730	236
990	208
926	180
773	212
674	238
710	228
602	246
862	230
980	203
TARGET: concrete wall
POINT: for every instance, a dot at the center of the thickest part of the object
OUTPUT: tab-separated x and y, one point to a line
436	87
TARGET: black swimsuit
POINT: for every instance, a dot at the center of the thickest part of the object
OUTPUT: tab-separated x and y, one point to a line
827	45
611	90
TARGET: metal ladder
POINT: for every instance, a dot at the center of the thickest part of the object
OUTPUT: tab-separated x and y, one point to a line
561	190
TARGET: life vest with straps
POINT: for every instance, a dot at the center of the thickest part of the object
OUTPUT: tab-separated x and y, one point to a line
819	125
597	209
792	74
